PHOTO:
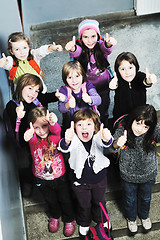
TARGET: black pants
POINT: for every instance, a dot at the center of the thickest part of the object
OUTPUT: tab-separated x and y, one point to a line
57	195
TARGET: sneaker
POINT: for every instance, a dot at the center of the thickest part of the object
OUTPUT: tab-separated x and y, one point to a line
132	226
106	225
53	225
146	223
69	228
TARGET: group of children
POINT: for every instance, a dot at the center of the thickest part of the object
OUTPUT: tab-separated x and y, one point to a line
84	102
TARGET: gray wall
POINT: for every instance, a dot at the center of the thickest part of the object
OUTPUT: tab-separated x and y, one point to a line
52	10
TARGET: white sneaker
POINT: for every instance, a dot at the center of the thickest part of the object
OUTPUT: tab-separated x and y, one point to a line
106	225
146	223
83	230
132	226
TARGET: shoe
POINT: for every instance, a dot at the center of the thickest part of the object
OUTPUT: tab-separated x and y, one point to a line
53	225
106	225
83	230
69	228
146	223
132	226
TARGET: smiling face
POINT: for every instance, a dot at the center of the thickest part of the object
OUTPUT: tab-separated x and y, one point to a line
74	80
85	129
127	70
30	93
89	38
41	127
139	128
20	49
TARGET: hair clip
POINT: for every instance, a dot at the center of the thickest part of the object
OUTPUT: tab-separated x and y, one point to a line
9	41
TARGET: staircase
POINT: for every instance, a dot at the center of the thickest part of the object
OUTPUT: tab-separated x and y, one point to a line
37	220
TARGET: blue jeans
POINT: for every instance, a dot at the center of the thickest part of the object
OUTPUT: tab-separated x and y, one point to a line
136	199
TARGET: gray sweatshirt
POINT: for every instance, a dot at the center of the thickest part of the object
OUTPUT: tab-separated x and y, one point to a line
135	164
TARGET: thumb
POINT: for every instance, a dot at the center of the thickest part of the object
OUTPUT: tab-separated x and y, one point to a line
72	125
47	115
21	105
3	55
84	90
31	126
107	37
147	72
125	133
101	127
74	39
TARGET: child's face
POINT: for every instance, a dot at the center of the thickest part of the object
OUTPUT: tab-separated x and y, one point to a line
20	49
85	129
74	81
127	71
30	93
41	127
139	128
89	38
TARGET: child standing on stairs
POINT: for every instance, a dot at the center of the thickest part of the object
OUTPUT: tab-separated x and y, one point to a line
93	51
23	59
49	169
85	140
79	93
138	163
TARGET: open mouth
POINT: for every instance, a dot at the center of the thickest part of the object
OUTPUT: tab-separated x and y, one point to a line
85	135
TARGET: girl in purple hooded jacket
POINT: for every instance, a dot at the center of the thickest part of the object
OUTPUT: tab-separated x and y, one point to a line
92	51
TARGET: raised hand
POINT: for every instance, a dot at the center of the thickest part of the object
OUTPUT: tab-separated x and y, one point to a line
3	60
71	102
20	110
150	77
61	97
70	46
85	97
121	140
105	133
29	133
114	82
110	41
69	134
54	47
52	118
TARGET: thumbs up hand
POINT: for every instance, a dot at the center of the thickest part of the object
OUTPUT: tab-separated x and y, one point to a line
71	102
121	140
3	60
52	118
20	110
105	133
61	97
70	46
150	78
110	41
86	98
69	134
29	133
114	82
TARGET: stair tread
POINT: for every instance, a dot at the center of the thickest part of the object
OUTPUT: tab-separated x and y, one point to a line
39	221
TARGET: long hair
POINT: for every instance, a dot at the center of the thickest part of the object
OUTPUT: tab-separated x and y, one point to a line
84	114
15	37
146	113
84	58
128	56
26	79
34	114
72	65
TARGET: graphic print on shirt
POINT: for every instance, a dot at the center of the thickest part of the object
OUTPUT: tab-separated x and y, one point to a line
48	162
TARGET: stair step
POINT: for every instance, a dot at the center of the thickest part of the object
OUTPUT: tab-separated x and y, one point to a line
37	223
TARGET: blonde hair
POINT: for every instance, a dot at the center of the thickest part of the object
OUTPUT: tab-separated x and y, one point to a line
84	114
